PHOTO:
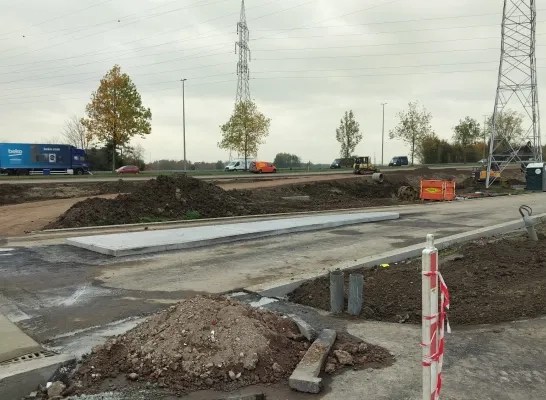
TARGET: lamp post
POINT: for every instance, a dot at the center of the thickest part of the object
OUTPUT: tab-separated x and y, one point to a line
383	135
184	123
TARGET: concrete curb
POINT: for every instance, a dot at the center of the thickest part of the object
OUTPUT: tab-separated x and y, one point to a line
282	287
305	376
14	342
18	379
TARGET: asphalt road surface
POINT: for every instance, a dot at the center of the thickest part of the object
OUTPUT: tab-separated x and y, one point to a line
53	290
220	176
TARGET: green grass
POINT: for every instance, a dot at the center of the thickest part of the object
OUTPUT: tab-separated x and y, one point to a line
191	214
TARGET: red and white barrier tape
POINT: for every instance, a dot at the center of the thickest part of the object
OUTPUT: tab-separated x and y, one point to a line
437	319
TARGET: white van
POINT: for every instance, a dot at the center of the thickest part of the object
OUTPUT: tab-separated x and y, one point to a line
239	165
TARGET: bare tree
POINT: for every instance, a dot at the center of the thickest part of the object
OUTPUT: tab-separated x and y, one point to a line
75	133
51	140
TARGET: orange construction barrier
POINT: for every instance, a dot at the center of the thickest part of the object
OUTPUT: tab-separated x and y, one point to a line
437	190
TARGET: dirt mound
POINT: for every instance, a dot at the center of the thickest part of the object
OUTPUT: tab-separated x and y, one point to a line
37	191
164	198
323	195
492	281
202	342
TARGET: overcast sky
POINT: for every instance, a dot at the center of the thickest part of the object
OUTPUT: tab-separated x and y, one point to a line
311	61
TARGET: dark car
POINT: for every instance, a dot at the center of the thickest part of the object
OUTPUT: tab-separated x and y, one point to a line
128	169
342	163
399	161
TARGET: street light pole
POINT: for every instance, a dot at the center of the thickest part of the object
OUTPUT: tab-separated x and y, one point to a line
184	123
383	135
484	133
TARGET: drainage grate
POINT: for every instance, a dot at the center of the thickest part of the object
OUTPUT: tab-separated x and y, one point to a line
30	356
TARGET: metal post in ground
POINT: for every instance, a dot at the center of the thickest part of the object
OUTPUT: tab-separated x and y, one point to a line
528	221
337	291
356	292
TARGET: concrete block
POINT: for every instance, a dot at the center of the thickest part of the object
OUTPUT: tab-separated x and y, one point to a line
132	243
19	379
305	376
305	329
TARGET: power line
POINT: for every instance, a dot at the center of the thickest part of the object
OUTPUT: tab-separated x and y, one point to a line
175	81
193	37
79	29
257	50
59	17
392	22
97	33
178	71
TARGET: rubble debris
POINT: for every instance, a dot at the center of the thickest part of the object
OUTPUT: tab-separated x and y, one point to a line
181	348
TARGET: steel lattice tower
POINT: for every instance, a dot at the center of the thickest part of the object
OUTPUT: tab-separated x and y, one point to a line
243	73
517	89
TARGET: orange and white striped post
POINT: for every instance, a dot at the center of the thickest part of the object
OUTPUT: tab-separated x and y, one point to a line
432	340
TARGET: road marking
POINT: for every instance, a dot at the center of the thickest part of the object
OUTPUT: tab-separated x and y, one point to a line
5	249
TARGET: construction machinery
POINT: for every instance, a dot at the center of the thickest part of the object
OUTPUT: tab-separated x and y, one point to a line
479	174
363	165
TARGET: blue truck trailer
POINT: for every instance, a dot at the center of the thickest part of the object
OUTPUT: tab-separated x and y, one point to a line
42	159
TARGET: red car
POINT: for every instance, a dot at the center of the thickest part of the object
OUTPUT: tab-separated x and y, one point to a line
128	169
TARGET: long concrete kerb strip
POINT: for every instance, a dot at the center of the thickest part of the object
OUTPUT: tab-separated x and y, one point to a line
282	287
124	244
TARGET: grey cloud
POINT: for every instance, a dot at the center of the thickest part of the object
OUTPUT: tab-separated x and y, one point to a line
305	90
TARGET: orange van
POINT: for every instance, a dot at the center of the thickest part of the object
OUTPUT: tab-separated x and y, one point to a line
262	167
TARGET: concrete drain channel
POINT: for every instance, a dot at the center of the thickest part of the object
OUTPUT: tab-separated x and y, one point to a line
29	357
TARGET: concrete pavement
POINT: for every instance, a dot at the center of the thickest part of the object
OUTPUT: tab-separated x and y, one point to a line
133	243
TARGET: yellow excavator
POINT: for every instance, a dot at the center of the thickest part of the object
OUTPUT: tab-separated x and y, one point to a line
480	173
363	165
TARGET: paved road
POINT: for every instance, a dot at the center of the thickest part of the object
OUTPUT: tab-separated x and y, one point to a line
221	176
55	290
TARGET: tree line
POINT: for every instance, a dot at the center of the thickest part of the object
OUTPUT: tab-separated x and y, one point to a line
469	141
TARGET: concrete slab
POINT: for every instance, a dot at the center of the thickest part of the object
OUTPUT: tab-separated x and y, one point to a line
124	244
305	376
14	342
19	379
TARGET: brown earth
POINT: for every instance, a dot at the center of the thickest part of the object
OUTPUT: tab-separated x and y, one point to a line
209	342
492	281
178	197
326	192
164	198
25	193
20	219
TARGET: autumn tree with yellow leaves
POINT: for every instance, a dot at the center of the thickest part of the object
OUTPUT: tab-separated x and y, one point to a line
115	113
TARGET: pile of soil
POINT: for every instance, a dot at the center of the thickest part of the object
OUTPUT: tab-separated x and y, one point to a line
201	343
172	197
209	342
491	281
323	195
36	191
